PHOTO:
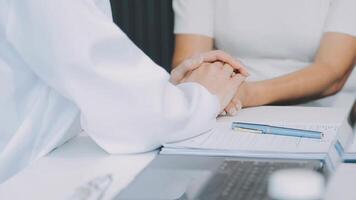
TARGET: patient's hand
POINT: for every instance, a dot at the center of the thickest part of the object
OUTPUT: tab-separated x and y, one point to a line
238	101
182	70
220	79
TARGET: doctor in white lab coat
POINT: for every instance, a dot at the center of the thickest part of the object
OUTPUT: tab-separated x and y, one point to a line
65	66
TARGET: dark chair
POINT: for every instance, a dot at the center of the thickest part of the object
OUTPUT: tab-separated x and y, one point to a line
149	23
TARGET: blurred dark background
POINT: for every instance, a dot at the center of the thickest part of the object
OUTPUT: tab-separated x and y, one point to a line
149	23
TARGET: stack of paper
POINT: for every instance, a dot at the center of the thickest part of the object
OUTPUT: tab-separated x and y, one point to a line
223	141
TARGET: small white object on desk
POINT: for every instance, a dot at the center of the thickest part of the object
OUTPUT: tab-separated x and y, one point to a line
296	184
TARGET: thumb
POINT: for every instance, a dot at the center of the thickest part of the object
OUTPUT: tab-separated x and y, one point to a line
234	106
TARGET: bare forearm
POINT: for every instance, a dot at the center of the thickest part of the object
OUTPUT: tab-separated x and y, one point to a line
312	82
188	45
332	65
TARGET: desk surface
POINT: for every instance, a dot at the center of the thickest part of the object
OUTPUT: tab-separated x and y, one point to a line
57	175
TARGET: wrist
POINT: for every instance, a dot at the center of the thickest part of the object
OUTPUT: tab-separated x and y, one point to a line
259	94
247	98
254	95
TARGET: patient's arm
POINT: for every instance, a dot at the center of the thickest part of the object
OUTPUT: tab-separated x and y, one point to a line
324	77
187	45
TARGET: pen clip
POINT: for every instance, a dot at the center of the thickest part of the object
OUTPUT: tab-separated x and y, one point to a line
247	130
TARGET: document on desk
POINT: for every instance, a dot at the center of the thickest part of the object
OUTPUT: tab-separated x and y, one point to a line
223	141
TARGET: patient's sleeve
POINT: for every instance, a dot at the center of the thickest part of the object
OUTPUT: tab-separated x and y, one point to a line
194	17
342	17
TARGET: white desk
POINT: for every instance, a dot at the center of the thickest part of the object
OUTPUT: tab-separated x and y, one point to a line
80	160
57	175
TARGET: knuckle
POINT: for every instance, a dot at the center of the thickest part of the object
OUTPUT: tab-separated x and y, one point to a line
218	64
228	68
213	67
227	65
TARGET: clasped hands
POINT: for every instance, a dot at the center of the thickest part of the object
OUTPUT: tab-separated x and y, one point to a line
219	73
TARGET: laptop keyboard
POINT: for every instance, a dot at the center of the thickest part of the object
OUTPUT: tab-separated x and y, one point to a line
245	180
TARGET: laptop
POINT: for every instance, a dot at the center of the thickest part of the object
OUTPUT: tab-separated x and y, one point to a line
188	177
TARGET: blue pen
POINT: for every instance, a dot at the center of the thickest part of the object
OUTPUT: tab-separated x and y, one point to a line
275	130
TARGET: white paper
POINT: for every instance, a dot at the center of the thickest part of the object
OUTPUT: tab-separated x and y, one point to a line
224	138
225	141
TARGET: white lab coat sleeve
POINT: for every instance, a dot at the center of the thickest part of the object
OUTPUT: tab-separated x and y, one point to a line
126	101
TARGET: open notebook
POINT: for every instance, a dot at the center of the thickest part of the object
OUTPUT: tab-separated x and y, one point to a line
223	141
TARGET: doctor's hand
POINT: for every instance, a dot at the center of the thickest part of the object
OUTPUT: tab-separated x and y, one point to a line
220	79
239	101
181	71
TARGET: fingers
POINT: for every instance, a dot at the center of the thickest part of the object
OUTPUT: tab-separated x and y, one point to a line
217	65
228	70
223	113
218	55
233	107
195	62
181	70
